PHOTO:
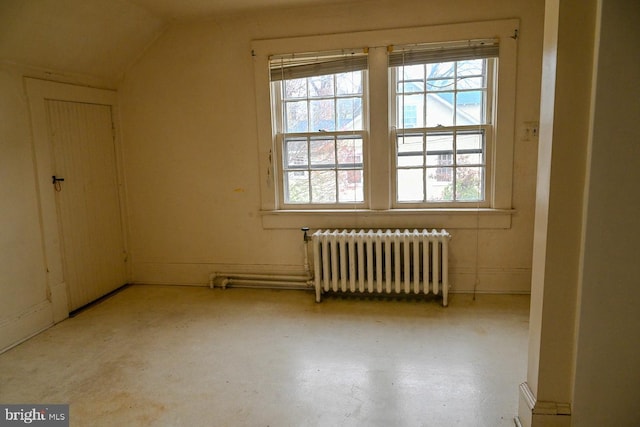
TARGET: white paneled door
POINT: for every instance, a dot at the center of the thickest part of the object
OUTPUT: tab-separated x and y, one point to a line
87	199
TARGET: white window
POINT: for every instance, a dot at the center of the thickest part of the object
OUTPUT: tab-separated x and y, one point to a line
442	115
319	114
416	126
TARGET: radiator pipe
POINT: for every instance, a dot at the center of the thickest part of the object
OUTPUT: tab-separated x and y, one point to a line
306	239
273	280
256	283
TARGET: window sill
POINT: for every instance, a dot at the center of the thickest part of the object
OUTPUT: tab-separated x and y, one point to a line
394	218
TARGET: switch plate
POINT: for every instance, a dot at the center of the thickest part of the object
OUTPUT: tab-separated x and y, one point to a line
529	131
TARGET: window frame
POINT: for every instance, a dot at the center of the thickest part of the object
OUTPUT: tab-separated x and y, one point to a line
279	135
379	153
489	141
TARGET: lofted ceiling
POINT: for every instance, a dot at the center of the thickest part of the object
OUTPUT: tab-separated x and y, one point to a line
101	38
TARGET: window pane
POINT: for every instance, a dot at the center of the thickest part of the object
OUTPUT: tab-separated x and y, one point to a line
296	116
470	108
323	186
441	69
471	67
296	152
440	84
440	109
410	185
471	83
410	143
470	149
296	88
297	187
349	83
321	86
440	184
410	150
349	114
350	151
410	160
409	86
412	72
410	111
350	186
439	146
322	152
469	184
323	115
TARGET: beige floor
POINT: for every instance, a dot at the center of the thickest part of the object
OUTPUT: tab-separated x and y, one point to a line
182	356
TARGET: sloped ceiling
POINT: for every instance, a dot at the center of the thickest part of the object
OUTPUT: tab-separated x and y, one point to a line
101	38
98	38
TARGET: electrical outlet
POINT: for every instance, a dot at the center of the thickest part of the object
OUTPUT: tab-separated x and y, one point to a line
529	131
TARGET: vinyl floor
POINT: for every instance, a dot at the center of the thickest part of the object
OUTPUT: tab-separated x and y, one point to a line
191	356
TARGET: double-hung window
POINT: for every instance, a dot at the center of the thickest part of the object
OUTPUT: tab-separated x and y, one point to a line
415	126
442	116
319	114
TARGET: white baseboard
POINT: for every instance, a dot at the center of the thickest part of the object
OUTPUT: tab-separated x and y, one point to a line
490	280
22	326
59	302
197	274
535	413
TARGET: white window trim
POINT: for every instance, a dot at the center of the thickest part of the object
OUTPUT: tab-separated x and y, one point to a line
380	151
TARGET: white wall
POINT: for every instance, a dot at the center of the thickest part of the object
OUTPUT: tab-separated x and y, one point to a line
84	42
25	303
188	110
22	267
607	372
189	129
584	321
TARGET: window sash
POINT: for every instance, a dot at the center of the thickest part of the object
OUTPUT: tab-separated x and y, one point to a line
335	166
302	178
484	127
423	166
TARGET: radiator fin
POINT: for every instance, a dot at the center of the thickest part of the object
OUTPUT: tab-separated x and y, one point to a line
381	261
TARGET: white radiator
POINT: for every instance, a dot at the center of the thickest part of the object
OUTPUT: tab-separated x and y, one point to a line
381	261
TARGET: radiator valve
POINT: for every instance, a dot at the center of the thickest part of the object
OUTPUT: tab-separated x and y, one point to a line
305	237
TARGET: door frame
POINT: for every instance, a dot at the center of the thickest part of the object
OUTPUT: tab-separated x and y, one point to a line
38	92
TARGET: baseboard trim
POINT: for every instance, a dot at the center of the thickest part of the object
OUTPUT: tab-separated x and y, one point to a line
22	326
534	412
490	280
528	396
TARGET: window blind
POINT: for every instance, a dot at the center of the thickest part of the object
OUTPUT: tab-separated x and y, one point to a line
443	52
295	66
